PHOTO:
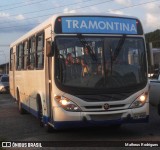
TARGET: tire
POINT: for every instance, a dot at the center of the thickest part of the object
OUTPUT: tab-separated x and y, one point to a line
40	112
158	108
7	90
47	127
20	109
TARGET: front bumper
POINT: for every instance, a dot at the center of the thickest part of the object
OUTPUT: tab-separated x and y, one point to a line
91	123
64	119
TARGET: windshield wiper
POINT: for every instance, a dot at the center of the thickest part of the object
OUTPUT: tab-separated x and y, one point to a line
117	50
119	47
85	44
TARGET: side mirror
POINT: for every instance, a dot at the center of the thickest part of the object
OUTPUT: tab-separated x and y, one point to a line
49	49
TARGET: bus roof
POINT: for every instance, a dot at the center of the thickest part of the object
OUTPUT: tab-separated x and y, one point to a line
51	20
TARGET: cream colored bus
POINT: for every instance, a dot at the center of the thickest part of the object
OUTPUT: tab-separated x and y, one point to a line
76	70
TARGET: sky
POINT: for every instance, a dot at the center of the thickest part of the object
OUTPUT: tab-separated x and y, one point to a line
17	17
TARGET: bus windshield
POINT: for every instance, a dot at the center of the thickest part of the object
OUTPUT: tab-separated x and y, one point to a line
100	62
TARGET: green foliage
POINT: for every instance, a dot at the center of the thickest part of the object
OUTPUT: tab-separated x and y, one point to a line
153	37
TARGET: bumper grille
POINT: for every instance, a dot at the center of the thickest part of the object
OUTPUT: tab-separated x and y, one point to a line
100	106
106	117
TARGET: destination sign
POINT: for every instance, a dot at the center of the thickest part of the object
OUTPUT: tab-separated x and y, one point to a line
102	25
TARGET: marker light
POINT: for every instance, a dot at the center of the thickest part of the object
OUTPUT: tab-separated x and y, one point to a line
140	101
59	19
67	104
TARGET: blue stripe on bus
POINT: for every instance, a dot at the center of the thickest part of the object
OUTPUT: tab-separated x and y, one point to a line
89	123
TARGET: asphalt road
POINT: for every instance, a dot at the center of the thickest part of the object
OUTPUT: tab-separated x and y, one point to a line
16	127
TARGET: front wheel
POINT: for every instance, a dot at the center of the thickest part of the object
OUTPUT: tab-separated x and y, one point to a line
42	123
49	128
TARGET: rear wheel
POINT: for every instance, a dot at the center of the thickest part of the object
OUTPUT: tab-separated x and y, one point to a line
40	112
21	110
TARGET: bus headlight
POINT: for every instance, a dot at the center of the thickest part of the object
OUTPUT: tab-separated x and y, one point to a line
67	104
140	101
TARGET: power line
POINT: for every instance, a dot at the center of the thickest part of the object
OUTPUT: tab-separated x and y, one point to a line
23	5
81	8
49	8
134	5
14	4
61	12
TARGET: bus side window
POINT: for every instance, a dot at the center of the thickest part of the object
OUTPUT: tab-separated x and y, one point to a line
20	57
40	51
11	59
32	53
17	54
26	52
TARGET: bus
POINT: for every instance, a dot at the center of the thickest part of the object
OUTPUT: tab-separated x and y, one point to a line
78	70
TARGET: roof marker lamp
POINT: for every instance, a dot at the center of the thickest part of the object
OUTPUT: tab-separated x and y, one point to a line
140	101
67	104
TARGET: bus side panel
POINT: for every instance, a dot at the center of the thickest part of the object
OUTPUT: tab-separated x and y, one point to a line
35	87
20	86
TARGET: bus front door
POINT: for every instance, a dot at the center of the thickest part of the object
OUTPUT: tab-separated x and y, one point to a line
49	82
13	75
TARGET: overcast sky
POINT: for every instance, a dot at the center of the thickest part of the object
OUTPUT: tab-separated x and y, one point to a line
19	16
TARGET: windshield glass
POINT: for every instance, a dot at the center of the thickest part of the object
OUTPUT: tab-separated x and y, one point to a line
100	62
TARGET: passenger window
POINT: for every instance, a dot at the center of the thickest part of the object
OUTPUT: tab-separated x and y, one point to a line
20	57
32	53
26	53
11	59
40	51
